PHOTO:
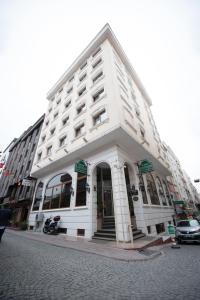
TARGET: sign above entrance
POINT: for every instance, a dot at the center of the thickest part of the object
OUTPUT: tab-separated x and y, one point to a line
145	166
81	167
26	182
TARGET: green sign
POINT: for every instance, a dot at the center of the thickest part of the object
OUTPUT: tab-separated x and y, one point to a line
145	166
171	229
179	202
81	167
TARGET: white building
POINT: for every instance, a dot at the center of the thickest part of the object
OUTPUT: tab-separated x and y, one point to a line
99	112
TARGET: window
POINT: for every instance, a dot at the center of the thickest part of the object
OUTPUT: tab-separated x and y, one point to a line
52	99
160	228
97	63
142	188
71	78
83	77
50	109
80	108
39	156
28	165
60	91
68	104
55	115
52	131
79	130
47	123
49	150
137	111
161	191
33	148
83	66
97	95
70	90
65	120
62	141
81	190
80	93
58	192
96	52
58	101
38	197
80	232
100	117
43	138
26	153
152	189
99	75
149	229
142	132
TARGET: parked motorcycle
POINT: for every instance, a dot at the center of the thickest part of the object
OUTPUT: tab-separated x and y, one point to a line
51	225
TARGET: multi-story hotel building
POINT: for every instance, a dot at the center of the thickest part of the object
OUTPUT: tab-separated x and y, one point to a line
97	129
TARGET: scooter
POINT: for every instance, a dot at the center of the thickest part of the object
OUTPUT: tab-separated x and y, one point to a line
51	225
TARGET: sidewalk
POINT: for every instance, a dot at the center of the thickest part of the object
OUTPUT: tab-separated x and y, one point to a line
103	248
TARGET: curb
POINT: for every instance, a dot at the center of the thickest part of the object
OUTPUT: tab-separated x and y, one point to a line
57	244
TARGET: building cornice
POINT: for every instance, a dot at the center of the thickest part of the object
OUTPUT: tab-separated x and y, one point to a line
105	33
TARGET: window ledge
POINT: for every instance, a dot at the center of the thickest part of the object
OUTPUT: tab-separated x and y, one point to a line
57	209
96	126
79	97
78	137
66	108
61	148
80	114
62	127
144	141
103	96
80	207
96	68
97	81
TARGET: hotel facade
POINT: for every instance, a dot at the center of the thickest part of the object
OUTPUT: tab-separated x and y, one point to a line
98	130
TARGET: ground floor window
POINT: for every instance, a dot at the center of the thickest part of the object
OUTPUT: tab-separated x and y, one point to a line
160	228
152	190
38	197
58	192
81	190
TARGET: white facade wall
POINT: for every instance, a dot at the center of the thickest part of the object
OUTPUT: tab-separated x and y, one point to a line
127	134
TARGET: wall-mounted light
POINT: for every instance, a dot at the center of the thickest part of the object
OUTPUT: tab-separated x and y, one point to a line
87	187
66	150
50	159
133	191
38	166
94	188
72	191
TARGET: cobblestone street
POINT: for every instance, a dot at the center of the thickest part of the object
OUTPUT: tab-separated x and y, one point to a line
35	270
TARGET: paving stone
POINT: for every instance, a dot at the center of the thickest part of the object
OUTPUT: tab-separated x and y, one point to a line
32	269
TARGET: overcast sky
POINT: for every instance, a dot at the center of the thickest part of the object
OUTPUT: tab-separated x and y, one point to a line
39	39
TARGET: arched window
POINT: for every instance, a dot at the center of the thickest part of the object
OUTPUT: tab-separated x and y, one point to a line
38	196
81	190
58	192
167	192
161	191
152	190
142	188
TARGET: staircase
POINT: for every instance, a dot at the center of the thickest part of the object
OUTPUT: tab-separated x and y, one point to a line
108	233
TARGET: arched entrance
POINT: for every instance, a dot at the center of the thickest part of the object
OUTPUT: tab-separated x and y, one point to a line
128	179
105	206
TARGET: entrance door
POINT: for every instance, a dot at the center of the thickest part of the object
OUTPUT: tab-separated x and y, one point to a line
108	209
104	191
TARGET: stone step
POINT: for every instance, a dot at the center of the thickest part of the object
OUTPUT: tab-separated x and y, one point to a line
138	236
110	230
108	227
103	238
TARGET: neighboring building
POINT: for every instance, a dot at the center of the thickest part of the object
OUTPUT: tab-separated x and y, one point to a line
99	115
4	156
15	191
179	183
